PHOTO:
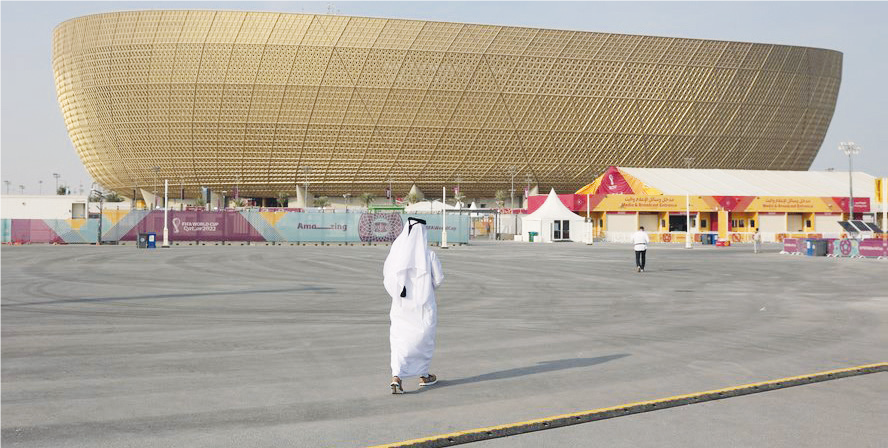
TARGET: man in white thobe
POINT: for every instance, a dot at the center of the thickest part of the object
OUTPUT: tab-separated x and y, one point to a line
411	274
640	241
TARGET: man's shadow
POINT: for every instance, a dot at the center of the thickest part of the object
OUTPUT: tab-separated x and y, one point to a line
541	367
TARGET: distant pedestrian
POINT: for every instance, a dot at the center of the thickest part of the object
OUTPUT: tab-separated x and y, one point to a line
411	274
756	240
640	240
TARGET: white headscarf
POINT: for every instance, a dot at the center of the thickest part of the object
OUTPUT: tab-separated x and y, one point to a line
407	260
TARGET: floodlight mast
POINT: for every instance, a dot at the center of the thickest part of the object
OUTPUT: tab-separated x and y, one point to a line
850	149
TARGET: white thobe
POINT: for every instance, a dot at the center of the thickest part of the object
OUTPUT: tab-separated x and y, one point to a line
414	317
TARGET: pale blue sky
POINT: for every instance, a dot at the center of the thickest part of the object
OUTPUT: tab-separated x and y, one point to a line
35	143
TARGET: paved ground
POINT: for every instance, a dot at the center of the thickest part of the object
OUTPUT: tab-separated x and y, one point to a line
288	346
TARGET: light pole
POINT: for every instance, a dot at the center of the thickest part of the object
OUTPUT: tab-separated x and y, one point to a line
7	186
166	208
57	176
458	180
528	178
688	242
512	172
306	171
391	193
101	203
40	182
443	218
22	189
156	169
850	149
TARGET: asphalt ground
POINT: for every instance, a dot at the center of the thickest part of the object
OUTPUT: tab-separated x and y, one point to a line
239	346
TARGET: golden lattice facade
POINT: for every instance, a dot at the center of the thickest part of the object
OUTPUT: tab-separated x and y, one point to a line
265	101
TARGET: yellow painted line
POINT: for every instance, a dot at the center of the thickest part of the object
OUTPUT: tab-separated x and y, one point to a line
556	421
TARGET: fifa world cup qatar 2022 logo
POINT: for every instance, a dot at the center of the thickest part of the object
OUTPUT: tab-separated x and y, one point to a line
380	227
193	226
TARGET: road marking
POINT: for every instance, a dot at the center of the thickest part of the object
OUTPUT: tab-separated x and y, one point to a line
557	421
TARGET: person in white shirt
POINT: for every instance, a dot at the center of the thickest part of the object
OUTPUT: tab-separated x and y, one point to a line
640	240
756	241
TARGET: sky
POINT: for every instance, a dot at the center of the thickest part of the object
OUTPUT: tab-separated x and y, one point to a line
34	142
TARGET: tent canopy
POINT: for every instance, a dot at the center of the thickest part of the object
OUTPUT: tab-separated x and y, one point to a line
426	206
553	209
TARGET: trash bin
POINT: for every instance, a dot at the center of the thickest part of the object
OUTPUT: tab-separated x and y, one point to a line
531	235
809	247
147	240
820	247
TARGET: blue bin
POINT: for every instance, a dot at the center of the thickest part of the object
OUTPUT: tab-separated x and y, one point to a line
809	247
152	240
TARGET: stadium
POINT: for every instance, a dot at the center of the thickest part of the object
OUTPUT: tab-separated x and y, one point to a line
265	102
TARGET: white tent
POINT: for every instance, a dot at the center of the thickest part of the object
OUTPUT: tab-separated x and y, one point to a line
428	207
551	220
474	206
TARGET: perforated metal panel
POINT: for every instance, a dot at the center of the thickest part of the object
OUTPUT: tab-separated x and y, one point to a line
225	98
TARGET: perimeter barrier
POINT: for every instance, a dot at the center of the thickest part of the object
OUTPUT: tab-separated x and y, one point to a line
233	226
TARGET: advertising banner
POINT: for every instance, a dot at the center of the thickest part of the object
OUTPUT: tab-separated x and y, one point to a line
846	247
197	225
791	245
6	225
873	248
659	203
233	225
50	230
284	226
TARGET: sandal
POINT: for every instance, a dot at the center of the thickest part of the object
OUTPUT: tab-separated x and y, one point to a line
396	386
428	380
